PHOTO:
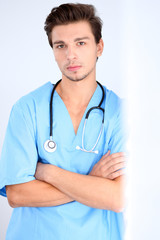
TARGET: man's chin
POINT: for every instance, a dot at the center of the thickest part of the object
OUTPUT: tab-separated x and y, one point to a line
76	78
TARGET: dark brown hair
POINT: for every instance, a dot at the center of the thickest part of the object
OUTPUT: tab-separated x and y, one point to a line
71	12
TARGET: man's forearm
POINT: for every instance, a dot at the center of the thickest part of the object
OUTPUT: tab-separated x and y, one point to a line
35	194
92	191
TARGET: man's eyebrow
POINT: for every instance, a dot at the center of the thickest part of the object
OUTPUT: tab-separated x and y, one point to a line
80	39
58	42
75	40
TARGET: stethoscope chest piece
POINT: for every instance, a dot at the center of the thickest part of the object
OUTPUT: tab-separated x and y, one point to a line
50	146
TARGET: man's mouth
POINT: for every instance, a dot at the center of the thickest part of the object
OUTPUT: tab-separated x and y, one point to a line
73	68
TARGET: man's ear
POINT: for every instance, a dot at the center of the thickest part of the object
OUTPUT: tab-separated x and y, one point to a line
100	47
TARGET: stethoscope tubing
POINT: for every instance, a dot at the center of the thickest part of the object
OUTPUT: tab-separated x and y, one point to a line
51	110
50	145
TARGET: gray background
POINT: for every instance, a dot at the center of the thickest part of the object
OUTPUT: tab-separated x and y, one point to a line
129	66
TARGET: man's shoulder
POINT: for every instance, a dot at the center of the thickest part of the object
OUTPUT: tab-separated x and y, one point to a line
113	103
40	93
37	96
31	102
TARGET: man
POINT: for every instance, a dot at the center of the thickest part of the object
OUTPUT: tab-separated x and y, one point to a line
70	186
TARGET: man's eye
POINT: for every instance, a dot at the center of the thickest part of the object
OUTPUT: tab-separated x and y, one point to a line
81	43
60	46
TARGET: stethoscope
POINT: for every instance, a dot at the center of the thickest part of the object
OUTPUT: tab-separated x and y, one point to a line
50	145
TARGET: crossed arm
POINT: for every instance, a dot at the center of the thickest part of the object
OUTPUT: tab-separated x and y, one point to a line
102	188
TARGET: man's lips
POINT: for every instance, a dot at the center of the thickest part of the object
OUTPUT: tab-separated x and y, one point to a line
73	68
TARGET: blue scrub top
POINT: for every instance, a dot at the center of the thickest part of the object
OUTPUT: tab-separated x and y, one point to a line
27	130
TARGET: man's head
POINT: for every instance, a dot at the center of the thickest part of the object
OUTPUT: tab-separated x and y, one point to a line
71	13
74	33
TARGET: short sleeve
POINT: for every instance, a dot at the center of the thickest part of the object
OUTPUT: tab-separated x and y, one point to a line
19	153
119	134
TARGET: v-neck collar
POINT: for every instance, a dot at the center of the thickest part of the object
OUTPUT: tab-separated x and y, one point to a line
94	101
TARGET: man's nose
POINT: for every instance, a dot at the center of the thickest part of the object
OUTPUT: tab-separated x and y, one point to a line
71	52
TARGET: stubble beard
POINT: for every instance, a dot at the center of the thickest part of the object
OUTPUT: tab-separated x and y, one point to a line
76	79
80	78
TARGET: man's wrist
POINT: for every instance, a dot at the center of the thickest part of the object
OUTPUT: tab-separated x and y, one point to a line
50	173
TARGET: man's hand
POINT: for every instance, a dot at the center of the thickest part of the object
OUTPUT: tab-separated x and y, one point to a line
41	171
110	166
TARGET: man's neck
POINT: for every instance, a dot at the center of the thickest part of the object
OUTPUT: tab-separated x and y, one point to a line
79	92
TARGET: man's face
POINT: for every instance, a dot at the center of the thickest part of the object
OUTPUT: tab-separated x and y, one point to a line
75	50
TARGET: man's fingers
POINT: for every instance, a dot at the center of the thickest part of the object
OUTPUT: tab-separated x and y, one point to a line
113	158
105	156
110	166
107	164
113	168
108	153
115	155
116	174
117	167
113	162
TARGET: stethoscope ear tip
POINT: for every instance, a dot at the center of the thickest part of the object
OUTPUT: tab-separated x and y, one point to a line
82	149
78	148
